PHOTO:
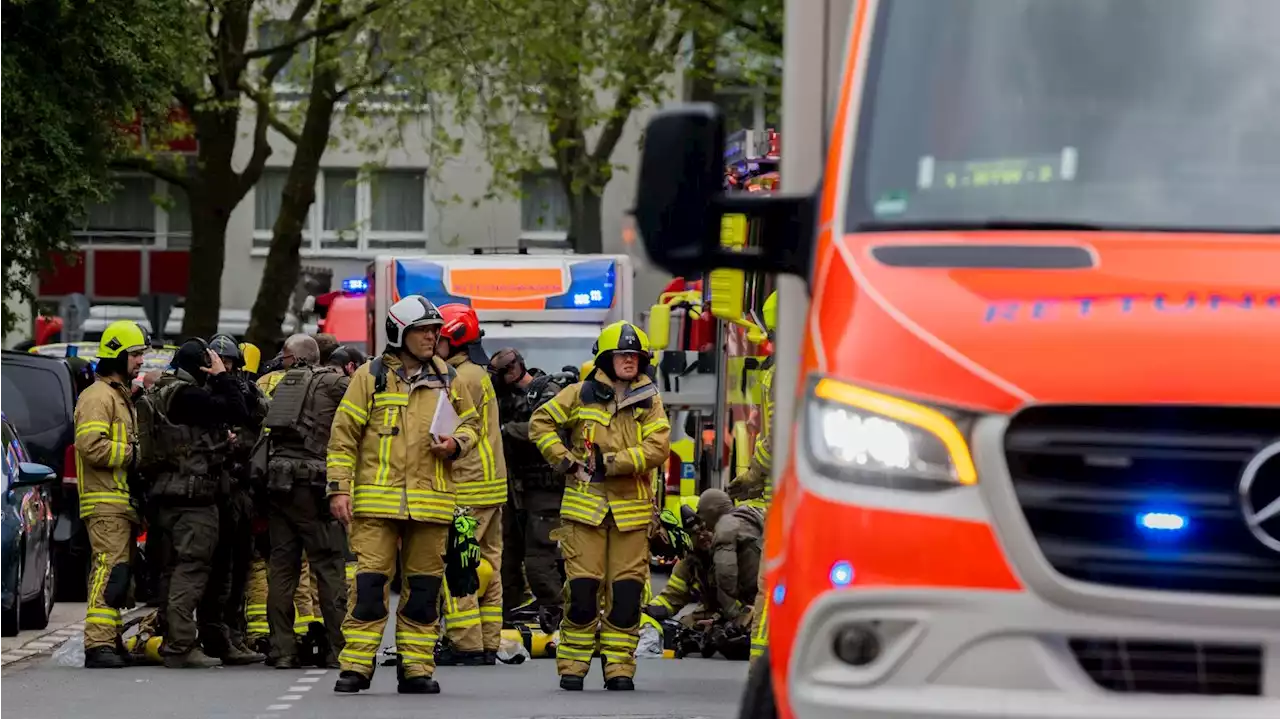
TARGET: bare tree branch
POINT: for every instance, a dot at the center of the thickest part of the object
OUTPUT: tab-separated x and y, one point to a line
262	101
287	47
628	98
138	163
766	30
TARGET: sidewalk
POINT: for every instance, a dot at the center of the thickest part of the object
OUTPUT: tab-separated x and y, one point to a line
67	621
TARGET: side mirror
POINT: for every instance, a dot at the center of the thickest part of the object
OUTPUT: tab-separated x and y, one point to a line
31	474
727	290
658	327
681	205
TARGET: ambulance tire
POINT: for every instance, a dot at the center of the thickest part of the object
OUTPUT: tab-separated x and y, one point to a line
757	697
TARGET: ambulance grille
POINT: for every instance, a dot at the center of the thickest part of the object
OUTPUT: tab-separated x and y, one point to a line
1163	667
1088	478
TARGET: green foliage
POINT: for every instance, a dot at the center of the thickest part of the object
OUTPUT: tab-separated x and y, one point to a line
74	71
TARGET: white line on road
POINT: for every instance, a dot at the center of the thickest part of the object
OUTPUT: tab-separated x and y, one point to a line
266	716
278	707
317	672
301	688
289	697
309	680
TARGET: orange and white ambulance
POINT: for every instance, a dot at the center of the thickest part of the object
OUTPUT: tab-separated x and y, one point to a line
1027	456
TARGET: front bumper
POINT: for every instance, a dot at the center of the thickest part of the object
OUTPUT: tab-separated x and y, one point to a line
991	651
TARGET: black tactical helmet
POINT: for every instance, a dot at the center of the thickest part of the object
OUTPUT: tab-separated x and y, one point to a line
226	347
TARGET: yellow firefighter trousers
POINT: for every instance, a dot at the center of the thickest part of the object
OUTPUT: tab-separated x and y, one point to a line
306	601
475	623
760	617
603	556
421	546
110	538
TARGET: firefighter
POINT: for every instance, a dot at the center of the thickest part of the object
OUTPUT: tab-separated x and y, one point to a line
303	405
195	405
473	625
222	611
533	511
389	481
756	484
106	452
618	433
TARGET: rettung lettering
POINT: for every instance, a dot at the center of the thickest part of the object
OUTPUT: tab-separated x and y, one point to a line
1089	307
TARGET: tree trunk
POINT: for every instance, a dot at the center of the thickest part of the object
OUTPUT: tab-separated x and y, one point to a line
214	195
284	260
586	228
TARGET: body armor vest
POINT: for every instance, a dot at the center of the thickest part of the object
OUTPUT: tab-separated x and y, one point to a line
184	463
298	425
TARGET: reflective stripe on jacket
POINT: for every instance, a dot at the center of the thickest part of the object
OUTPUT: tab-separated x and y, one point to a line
106	429
379	446
633	435
481	476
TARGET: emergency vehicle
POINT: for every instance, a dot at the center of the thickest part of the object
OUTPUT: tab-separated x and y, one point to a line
1027	341
550	308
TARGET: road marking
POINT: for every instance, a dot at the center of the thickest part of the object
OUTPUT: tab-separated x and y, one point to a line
317	672
309	680
289	698
266	716
278	707
301	688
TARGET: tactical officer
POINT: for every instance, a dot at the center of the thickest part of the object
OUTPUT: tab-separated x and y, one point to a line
106	452
756	484
327	344
389	481
618	433
346	359
473	624
302	409
222	628
533	510
195	405
736	537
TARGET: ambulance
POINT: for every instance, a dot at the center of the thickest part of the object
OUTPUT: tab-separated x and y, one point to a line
550	308
1027	440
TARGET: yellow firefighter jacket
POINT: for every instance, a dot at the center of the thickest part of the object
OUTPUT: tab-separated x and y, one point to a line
759	475
481	475
633	435
379	447
106	438
267	382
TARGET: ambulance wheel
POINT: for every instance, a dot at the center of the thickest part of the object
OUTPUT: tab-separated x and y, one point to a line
757	697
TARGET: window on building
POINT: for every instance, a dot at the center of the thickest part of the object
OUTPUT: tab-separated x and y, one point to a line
294	76
544	206
135	215
356	214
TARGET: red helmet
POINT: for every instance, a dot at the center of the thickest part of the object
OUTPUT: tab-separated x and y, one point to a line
461	325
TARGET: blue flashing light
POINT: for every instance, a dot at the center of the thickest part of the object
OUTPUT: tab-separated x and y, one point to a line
1162	522
355	285
779	593
841	574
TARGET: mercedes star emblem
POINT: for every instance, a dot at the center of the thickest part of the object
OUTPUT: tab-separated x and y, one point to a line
1260	496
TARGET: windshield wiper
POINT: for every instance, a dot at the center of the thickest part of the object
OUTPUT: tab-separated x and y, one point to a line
988	224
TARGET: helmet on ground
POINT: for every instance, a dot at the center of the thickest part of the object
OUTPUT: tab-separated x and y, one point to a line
412	311
461	325
225	347
770	311
621	336
252	357
121	337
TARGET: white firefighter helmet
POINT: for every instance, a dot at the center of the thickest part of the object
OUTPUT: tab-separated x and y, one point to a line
412	311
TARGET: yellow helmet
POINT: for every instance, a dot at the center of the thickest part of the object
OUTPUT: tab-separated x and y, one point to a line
770	311
252	357
121	336
622	336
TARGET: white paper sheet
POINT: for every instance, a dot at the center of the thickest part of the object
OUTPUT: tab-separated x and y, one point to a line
445	421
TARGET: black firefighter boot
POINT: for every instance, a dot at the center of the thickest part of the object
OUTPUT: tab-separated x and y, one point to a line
350	682
570	683
418	685
103	658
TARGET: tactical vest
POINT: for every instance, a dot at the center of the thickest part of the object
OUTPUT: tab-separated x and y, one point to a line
298	425
184	463
523	458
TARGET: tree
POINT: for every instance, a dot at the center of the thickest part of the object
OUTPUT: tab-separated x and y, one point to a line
74	73
380	46
215	101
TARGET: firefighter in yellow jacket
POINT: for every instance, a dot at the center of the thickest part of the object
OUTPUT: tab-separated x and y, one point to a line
473	624
389	480
106	449
756	484
618	432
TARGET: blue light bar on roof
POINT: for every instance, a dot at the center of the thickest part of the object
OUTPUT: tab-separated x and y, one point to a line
355	285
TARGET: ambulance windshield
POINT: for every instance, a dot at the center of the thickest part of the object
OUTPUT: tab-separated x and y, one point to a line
1106	114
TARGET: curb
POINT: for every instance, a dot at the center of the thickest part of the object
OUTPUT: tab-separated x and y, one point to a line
48	642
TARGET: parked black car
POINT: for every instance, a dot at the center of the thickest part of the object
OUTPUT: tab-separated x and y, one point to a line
38	397
26	541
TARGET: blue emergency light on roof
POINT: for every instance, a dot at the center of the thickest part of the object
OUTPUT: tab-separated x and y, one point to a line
355	285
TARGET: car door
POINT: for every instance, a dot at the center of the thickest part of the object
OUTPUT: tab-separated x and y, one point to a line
26	503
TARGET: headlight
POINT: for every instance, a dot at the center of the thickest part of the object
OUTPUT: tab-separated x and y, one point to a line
864	437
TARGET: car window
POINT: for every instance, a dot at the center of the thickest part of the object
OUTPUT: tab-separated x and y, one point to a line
37	399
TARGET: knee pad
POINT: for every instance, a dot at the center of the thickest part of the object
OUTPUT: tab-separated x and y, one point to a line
371	602
116	592
423	592
625	611
584	602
